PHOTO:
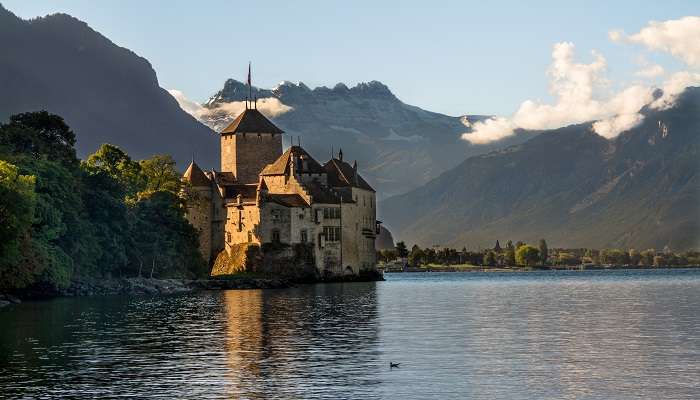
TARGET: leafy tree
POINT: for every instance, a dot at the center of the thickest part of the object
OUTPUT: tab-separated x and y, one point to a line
117	164
509	258
647	256
544	252
417	256
490	258
39	134
160	173
634	256
164	238
17	202
527	255
401	249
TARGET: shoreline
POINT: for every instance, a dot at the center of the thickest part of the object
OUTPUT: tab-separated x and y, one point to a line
448	268
156	286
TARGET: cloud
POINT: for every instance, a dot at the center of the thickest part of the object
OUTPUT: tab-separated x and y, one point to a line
582	93
679	37
269	106
674	86
651	71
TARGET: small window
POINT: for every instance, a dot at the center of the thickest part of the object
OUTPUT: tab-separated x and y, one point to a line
275	215
304	236
250	236
332	233
276	235
228	237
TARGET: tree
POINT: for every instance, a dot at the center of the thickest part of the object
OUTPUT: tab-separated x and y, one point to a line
509	258
544	252
490	258
39	134
160	173
527	255
17	202
401	249
116	163
634	256
417	256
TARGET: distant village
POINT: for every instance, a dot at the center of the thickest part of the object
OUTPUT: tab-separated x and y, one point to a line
524	256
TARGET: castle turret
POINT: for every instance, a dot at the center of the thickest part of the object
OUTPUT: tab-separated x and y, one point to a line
248	144
199	206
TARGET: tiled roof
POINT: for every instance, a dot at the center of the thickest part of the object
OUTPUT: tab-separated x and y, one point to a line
251	121
195	176
287	200
305	163
342	174
247	192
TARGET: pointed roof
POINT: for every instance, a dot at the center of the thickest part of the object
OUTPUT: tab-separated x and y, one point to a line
251	121
342	174
282	164
195	176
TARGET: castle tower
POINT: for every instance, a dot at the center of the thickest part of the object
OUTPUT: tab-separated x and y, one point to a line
248	144
199	206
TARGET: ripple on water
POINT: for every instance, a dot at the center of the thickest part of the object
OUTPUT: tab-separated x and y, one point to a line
596	335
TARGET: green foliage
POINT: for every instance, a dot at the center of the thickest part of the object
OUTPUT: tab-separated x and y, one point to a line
509	258
38	134
527	255
63	220
401	249
160	173
544	252
490	258
17	202
117	164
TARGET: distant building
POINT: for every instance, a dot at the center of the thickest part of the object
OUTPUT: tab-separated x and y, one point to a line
263	195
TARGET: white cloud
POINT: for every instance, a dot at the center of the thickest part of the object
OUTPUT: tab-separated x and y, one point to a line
651	71
679	37
582	93
269	106
490	130
673	86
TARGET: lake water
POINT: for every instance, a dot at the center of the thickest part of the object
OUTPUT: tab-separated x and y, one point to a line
541	335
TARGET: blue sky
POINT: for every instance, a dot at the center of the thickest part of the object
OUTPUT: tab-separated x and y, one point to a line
453	57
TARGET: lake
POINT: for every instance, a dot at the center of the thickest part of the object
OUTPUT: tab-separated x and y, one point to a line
538	335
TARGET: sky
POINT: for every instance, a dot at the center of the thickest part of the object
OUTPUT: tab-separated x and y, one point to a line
453	57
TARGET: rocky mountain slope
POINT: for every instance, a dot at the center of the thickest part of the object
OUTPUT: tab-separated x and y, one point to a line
570	186
105	92
398	146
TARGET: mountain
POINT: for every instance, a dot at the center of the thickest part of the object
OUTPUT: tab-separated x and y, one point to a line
105	93
570	186
398	146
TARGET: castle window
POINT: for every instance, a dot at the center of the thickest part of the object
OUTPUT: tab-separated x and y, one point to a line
332	233
276	235
228	237
250	236
331	213
275	215
304	236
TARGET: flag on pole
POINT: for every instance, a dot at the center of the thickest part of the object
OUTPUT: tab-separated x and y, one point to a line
249	73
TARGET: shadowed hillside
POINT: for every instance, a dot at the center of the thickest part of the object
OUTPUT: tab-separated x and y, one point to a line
570	186
106	93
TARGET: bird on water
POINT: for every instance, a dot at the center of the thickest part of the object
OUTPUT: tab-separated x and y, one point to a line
393	365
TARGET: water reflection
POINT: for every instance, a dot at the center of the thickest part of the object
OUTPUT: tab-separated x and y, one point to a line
564	336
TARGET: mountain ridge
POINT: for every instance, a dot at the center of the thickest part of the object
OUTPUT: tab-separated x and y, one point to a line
106	93
570	186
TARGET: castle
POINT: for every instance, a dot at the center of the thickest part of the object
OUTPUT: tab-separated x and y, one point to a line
262	195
